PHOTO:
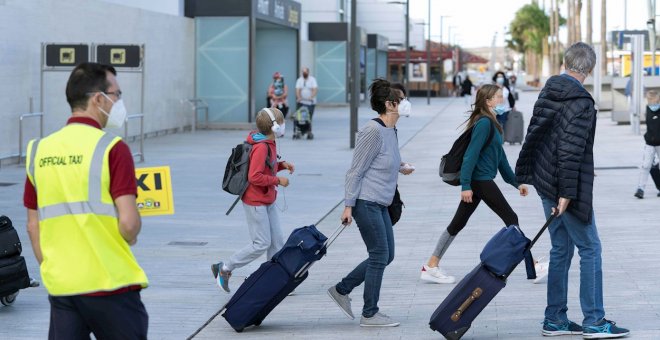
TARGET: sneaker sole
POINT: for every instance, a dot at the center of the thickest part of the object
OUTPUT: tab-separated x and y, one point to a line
218	280
213	270
559	333
430	278
394	324
340	307
603	335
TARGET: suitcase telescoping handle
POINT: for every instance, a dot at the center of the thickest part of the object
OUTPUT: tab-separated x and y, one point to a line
326	244
538	235
545	226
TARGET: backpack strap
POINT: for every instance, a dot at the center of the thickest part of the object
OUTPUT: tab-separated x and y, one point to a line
380	121
491	134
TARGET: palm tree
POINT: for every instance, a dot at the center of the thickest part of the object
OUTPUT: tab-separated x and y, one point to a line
589	23
556	40
529	32
603	40
577	21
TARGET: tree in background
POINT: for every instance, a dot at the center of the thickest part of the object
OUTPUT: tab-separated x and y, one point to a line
529	31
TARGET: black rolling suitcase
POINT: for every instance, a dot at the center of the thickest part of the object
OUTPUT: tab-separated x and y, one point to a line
13	270
655	174
264	289
454	317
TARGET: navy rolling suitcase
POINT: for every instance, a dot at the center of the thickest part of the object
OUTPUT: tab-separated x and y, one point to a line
264	289
453	318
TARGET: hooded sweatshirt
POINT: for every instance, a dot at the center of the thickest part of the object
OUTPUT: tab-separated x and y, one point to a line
262	179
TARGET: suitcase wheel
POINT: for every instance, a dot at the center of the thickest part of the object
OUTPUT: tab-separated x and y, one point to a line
9	299
240	330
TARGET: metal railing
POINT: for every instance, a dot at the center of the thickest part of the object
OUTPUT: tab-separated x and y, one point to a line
199	104
139	116
20	131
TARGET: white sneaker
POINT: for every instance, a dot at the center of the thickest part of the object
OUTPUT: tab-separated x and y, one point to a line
436	275
541	272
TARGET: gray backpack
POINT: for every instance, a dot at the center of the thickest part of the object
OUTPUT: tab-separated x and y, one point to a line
235	180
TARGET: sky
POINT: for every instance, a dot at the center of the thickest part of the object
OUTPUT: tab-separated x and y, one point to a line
475	22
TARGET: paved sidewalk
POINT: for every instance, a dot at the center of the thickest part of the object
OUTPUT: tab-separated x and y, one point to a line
182	295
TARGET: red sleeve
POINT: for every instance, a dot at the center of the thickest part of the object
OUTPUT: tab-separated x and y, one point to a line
280	166
122	171
29	195
259	174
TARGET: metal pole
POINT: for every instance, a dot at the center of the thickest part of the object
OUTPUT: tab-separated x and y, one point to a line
442	64
354	72
142	81
598	74
651	8
428	60
406	80
41	77
625	15
637	74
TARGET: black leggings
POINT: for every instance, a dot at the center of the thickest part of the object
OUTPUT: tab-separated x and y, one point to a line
489	193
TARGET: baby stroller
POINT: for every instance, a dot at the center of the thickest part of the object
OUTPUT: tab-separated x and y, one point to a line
13	271
302	123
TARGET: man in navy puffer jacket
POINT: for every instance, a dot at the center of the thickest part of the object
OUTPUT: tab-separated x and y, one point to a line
557	159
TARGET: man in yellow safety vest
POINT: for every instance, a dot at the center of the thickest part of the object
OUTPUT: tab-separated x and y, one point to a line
80	197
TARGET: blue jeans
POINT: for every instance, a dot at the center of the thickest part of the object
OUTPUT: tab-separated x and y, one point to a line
375	226
566	233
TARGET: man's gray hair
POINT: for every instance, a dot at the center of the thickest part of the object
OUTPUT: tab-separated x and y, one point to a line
580	58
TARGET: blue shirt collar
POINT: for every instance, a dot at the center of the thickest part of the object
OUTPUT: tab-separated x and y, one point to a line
573	79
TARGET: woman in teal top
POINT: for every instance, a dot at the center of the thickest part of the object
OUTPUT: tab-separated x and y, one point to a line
480	166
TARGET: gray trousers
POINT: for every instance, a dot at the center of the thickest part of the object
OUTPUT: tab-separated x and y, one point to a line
265	231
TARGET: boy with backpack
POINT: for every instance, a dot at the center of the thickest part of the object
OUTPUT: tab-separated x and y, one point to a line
259	197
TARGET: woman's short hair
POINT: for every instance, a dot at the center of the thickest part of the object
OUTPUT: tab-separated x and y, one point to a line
381	91
264	123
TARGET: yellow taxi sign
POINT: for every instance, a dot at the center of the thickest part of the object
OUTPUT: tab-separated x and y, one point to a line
154	191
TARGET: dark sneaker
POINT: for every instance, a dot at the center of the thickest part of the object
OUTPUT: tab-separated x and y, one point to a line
605	329
555	329
343	301
221	276
378	320
639	193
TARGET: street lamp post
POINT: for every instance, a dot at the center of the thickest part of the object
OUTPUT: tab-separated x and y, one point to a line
651	26
442	64
354	74
406	82
428	59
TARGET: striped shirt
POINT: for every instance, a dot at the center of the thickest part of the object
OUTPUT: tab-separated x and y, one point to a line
375	168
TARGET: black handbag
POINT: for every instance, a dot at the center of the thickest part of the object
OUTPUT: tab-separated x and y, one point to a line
396	208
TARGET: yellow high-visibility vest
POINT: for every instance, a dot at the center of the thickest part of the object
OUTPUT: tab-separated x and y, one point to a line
83	251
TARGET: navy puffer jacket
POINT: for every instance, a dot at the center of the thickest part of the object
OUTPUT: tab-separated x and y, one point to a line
557	156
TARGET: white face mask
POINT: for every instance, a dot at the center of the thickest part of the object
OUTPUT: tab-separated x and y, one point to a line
405	107
117	114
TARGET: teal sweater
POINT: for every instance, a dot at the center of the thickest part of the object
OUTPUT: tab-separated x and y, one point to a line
483	165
